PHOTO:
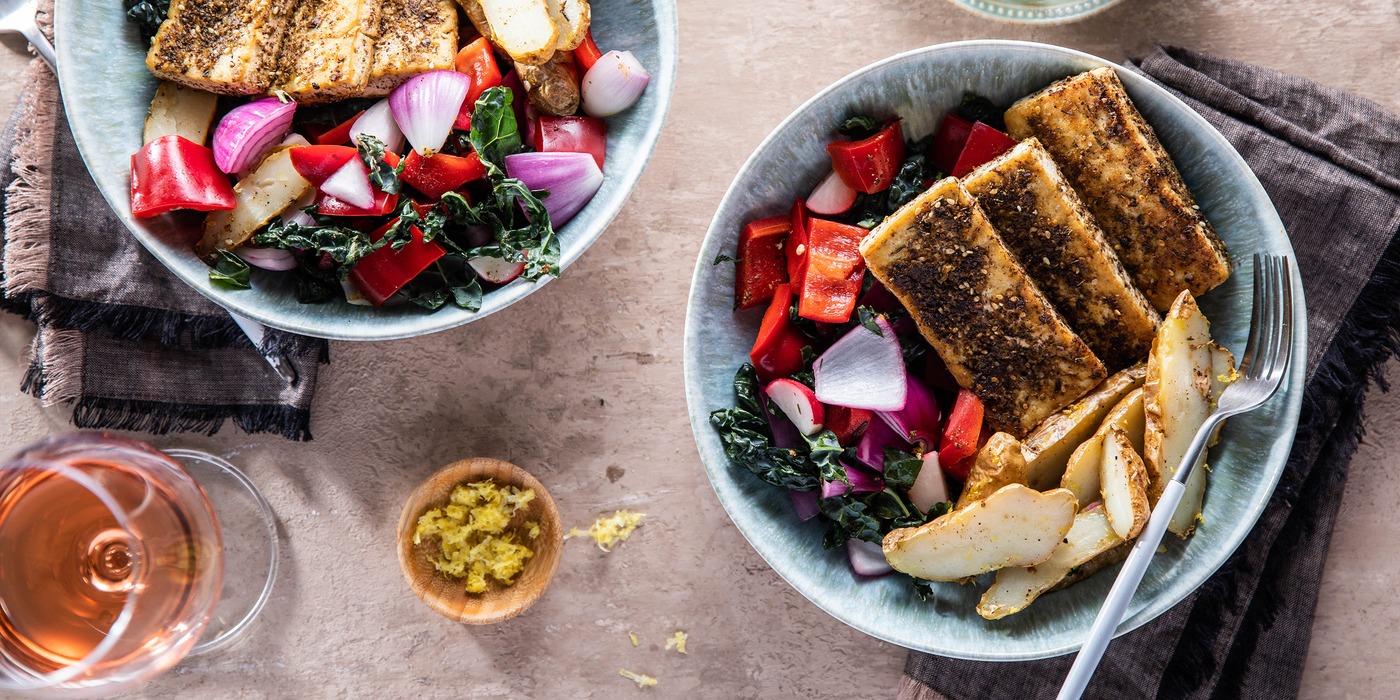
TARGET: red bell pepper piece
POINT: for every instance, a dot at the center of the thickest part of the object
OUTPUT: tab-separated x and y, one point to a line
173	172
936	372
761	267
572	135
777	352
848	423
869	165
983	144
587	53
960	436
385	271
948	142
831	281
477	60
384	203
796	247
440	173
511	81
340	134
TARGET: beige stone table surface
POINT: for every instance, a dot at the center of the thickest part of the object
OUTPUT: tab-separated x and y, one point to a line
581	385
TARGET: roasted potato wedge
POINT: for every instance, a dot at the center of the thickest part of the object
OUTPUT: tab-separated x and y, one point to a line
1183	381
1048	448
263	194
521	28
180	110
1124	484
1082	471
1016	526
999	463
572	18
551	87
1015	587
1093	566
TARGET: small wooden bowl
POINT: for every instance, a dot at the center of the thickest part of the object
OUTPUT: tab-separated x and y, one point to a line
448	596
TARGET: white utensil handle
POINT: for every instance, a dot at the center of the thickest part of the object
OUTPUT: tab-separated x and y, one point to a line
1111	614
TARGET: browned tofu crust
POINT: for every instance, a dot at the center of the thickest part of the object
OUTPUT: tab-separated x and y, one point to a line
228	47
1045	224
1125	177
328	49
975	304
415	36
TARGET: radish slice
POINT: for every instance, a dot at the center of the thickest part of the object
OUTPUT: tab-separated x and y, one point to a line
861	482
921	420
353	295
871	448
806	503
863	370
498	270
247	131
294	139
832	196
426	106
570	178
350	184
799	404
378	121
266	258
930	488
613	84
867	558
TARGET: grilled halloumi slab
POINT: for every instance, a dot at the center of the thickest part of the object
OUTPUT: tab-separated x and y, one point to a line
975	304
328	49
415	36
1125	177
228	47
1045	224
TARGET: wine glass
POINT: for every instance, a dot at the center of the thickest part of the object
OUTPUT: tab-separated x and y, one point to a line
111	565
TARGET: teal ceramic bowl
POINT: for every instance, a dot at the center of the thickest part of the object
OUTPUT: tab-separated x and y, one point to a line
1042	12
107	91
921	86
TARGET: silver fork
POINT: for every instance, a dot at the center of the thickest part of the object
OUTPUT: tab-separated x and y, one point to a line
17	17
1262	371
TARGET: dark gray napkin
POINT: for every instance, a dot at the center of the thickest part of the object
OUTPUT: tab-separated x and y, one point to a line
1328	160
120	337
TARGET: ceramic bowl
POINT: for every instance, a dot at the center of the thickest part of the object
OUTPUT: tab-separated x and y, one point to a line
921	86
1042	12
447	596
107	91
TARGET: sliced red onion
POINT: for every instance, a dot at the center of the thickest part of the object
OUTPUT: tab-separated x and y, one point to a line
806	503
867	558
861	482
906	326
247	131
350	184
921	420
785	434
880	299
479	235
571	179
378	121
613	84
498	270
832	196
353	295
871	448
863	370
266	258
930	488
426	106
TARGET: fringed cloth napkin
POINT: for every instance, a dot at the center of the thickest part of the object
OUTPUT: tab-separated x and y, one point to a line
121	338
1327	159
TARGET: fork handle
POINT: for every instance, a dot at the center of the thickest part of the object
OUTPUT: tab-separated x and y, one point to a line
1122	592
41	44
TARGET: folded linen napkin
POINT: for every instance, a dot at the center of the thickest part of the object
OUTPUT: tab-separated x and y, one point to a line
120	337
1328	160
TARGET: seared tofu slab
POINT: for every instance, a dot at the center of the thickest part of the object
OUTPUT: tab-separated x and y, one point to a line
328	50
228	47
972	300
1045	224
415	36
1127	180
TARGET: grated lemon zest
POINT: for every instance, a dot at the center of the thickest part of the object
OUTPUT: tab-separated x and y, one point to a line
641	679
633	637
471	530
678	641
607	532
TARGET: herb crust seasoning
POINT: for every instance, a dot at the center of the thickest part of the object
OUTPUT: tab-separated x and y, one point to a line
415	36
228	47
1112	157
977	307
328	49
1045	224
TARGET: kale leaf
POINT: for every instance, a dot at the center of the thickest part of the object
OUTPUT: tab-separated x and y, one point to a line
859	127
331	113
381	174
494	133
976	108
901	468
229	271
749	442
345	246
825	452
147	14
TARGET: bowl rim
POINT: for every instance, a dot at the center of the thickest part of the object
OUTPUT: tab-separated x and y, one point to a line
1292	394
975	7
663	80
